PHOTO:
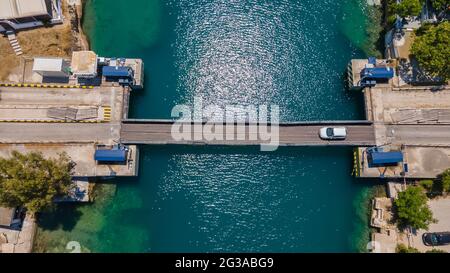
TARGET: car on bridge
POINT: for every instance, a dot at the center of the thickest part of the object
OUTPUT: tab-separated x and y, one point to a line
333	133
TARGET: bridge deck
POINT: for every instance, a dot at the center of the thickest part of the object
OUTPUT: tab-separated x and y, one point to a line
141	132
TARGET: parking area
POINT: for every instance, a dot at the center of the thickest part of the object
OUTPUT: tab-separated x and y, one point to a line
440	208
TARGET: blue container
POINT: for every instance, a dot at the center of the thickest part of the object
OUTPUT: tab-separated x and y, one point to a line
117	71
382	158
377	73
115	155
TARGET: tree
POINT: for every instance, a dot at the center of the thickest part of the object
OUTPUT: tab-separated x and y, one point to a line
412	209
31	181
401	248
431	50
445	181
440	5
408	8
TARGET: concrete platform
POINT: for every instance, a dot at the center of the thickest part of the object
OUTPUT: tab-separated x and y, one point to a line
35	133
423	162
20	103
82	155
415	120
19	241
383	103
81	193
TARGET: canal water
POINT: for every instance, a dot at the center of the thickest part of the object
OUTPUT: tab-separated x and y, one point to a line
207	199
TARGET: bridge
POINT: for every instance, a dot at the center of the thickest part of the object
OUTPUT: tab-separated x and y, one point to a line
140	131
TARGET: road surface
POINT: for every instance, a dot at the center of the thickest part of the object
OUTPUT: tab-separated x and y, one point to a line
289	135
58	132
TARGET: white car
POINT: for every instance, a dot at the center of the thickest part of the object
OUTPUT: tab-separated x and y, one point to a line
333	133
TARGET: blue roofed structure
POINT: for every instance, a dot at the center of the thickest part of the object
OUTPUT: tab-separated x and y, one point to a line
117	71
113	155
385	158
377	73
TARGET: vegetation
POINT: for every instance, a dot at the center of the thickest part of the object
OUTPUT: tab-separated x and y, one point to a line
438	186
431	49
444	181
427	184
412	209
375	32
31	181
408	8
440	5
434	250
401	248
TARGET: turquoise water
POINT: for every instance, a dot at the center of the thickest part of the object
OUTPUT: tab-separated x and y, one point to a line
206	199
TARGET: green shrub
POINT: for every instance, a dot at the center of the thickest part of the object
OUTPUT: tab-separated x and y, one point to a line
445	181
427	184
401	248
434	250
412	209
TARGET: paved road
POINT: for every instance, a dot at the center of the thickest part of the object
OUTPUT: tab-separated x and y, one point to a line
289	135
419	134
160	133
58	132
57	96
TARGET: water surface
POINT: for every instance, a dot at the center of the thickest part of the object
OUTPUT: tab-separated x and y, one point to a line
206	199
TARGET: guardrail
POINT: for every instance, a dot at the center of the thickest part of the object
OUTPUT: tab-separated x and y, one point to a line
289	123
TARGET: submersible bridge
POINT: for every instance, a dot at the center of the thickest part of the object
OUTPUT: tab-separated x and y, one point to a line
157	132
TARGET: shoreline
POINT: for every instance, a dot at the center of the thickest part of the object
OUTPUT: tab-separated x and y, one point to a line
84	38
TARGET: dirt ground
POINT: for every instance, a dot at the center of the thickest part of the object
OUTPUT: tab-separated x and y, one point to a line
8	59
55	41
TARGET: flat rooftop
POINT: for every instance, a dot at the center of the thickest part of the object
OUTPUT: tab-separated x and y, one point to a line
84	62
10	9
48	64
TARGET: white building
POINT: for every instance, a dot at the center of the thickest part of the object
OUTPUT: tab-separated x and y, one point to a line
84	64
22	14
51	67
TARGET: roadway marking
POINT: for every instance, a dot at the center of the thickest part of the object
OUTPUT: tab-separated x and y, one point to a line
38	85
48	121
106	113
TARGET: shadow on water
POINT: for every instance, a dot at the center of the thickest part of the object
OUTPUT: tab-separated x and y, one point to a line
58	218
305	151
